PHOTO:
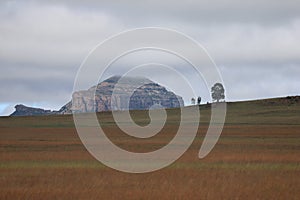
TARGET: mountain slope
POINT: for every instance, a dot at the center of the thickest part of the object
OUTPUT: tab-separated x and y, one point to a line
116	93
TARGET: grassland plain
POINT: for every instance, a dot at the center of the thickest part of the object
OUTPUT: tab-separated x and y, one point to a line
257	157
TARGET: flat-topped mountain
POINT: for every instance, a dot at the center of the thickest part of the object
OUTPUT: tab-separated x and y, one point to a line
114	93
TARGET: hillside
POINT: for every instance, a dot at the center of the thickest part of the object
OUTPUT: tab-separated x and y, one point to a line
284	110
256	157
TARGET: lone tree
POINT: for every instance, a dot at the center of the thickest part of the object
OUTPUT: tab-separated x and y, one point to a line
217	92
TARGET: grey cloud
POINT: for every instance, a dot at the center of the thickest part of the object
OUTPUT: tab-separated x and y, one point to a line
52	34
35	89
256	44
252	82
214	11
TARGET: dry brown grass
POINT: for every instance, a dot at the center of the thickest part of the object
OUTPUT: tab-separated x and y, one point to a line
250	161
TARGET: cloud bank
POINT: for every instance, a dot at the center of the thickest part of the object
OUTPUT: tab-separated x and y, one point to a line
255	44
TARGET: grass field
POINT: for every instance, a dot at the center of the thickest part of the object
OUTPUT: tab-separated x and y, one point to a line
257	157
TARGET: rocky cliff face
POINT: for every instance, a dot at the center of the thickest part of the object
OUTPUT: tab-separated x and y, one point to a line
22	110
152	94
115	93
118	93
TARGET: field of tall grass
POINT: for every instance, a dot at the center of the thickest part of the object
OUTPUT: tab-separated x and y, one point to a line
257	157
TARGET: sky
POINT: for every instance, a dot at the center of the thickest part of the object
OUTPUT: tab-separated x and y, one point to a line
255	45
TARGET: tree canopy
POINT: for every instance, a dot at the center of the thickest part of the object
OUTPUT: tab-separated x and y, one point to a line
217	92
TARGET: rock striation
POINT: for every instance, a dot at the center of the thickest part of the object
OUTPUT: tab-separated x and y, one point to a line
116	93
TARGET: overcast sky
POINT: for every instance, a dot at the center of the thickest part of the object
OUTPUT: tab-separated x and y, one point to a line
255	44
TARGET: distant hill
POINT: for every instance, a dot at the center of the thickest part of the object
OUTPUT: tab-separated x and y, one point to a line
146	95
22	110
275	111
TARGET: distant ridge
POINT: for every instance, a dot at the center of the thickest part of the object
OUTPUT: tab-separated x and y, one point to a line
288	100
22	110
